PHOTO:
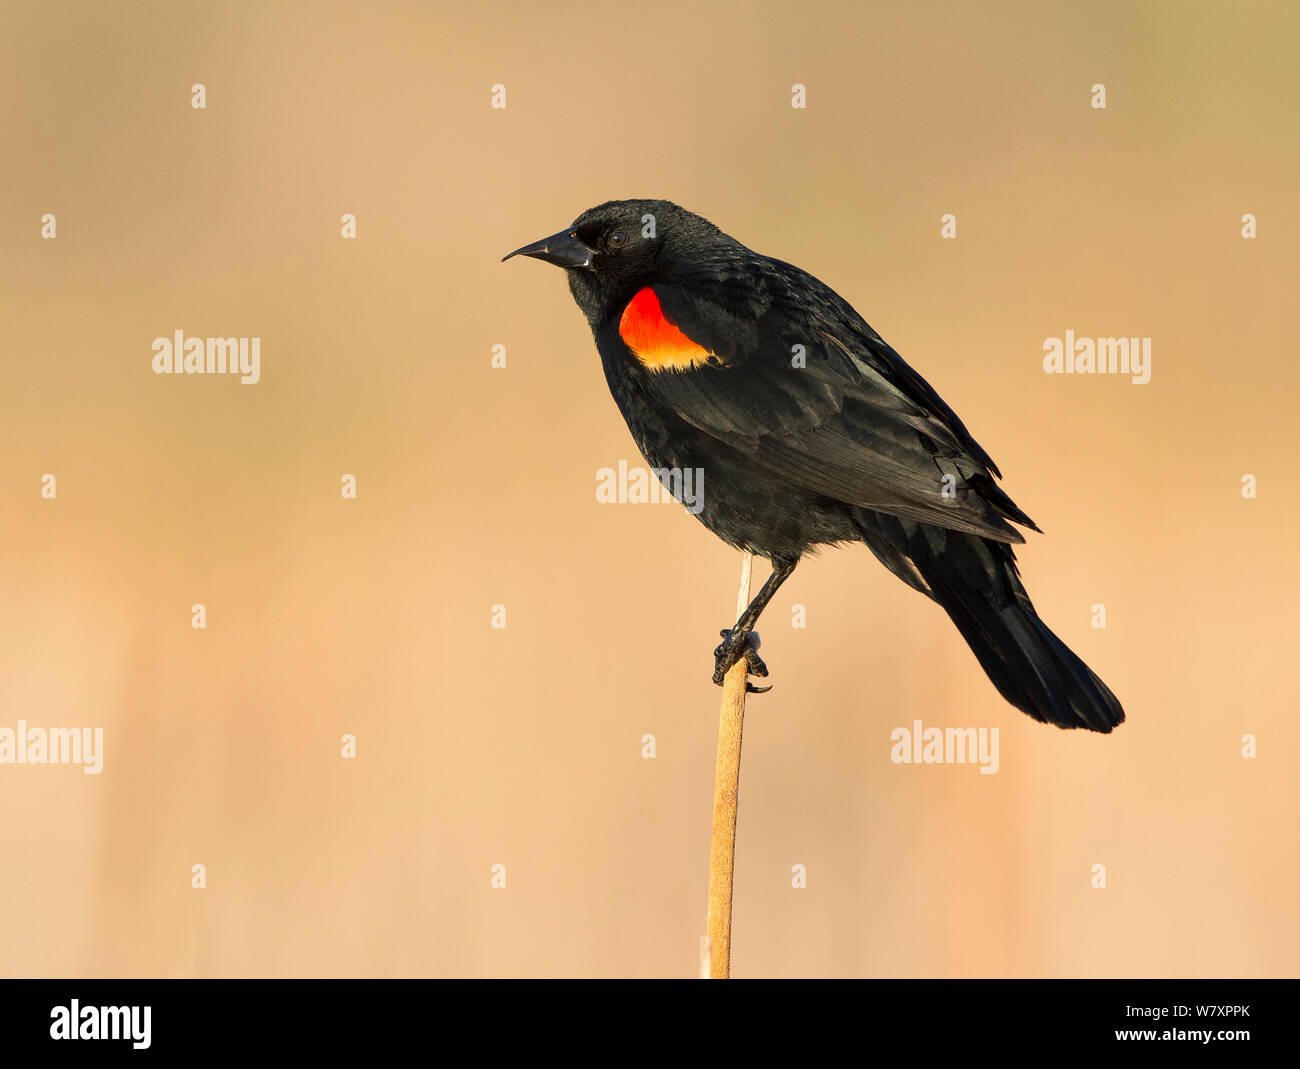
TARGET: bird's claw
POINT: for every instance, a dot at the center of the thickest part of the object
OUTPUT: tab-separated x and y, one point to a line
731	651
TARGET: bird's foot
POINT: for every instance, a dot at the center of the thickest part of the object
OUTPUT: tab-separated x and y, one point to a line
735	648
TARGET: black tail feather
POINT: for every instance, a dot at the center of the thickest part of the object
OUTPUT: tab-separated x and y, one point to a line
976	581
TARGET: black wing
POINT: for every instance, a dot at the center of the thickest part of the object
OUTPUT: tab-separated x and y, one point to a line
805	387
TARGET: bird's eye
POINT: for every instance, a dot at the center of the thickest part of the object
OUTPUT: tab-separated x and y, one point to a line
618	239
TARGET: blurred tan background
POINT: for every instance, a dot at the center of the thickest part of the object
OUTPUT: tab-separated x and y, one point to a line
522	746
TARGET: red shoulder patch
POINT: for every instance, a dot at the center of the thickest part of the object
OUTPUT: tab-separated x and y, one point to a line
658	343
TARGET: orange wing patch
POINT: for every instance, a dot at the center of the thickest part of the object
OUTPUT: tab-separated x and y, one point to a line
656	342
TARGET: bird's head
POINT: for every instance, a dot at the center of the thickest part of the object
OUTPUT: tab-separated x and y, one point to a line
613	250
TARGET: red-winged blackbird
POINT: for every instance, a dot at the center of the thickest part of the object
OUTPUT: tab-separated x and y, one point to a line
810	430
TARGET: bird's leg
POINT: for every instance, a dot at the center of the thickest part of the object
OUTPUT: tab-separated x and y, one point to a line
741	640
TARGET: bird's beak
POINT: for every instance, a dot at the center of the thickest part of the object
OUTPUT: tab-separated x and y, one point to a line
563	249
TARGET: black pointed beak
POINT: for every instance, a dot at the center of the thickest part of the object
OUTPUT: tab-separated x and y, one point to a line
563	249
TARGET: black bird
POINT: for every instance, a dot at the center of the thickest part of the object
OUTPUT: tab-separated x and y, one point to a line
810	430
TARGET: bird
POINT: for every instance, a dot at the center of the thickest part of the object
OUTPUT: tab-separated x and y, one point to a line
810	431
